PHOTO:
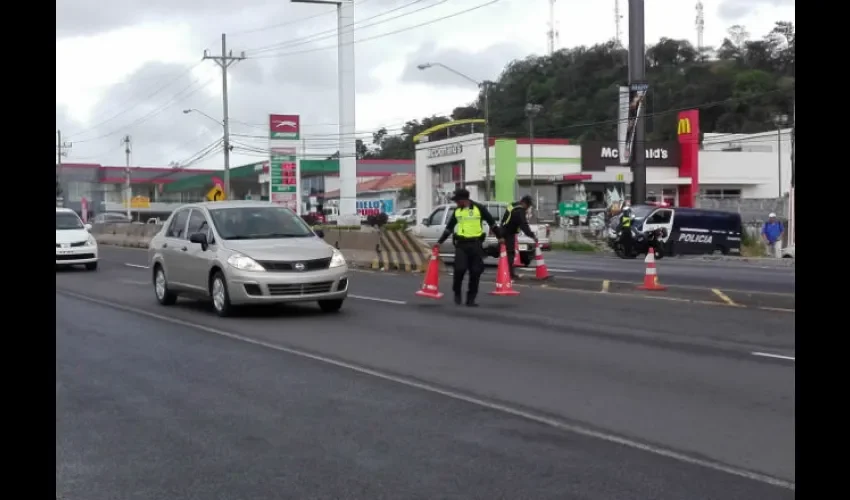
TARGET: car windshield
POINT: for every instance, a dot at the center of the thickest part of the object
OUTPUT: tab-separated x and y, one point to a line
255	223
68	220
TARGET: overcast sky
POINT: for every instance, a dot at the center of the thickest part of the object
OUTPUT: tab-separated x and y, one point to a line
132	66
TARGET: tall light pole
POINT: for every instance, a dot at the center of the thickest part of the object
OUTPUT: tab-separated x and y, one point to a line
347	145
779	121
485	88
637	76
531	111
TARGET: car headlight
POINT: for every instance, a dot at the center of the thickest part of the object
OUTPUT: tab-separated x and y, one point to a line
337	260
91	241
244	263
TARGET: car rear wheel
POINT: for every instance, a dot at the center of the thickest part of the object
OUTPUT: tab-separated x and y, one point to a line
330	306
160	287
220	297
91	266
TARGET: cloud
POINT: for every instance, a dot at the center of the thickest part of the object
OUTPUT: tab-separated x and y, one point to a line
734	10
485	64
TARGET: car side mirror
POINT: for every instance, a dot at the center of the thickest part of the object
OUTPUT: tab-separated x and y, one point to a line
320	233
425	222
201	239
88	227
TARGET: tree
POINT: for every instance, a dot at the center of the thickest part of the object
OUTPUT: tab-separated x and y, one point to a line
738	88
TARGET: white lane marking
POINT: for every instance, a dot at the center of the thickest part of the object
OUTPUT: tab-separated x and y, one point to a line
499	407
378	299
135	282
137	266
559	270
777	356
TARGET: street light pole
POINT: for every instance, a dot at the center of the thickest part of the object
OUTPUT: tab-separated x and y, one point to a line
485	87
531	111
779	121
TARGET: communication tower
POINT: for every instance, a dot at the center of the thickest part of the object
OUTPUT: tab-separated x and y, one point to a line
700	25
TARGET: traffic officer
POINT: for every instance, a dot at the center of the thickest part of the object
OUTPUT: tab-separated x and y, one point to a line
465	227
625	228
514	221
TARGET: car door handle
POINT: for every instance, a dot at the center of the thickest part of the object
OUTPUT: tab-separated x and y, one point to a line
165	245
184	249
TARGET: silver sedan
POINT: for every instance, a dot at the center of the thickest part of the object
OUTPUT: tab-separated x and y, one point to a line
245	252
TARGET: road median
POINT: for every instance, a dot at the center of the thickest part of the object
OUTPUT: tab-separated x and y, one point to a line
383	250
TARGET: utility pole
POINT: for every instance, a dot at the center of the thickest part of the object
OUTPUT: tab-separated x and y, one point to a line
637	76
224	61
128	196
60	152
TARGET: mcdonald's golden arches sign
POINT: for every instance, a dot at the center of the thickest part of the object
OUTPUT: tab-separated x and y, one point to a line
684	126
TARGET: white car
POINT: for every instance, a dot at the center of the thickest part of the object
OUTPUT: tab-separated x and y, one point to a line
788	252
74	244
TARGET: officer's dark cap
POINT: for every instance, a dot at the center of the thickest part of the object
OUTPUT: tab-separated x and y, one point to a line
460	195
528	200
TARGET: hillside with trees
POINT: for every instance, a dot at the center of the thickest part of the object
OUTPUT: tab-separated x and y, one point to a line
738	87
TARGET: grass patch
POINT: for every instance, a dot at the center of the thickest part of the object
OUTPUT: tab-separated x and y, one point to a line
752	246
575	246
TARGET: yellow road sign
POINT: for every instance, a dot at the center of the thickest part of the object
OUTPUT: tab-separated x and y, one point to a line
216	194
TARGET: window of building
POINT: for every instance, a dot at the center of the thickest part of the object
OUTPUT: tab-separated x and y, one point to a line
722	194
76	190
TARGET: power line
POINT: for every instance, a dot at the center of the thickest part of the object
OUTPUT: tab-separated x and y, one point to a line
382	35
127	109
174	100
333	32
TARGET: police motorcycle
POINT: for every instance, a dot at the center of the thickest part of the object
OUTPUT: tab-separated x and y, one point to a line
641	241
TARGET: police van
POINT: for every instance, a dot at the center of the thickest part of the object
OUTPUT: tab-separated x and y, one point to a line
692	231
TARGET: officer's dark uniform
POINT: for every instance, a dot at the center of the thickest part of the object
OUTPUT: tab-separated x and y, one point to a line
626	231
514	221
465	227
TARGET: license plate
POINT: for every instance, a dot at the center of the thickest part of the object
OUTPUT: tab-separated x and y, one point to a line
523	248
64	252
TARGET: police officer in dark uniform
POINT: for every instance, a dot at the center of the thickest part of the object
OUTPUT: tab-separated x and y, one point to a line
625	228
514	221
465	227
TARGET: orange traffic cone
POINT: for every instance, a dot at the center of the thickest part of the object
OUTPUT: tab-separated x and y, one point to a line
432	277
504	286
650	279
541	272
517	260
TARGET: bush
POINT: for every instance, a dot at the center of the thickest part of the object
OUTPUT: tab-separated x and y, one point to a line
379	220
574	246
399	225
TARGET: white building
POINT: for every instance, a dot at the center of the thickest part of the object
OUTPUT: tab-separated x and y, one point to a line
729	166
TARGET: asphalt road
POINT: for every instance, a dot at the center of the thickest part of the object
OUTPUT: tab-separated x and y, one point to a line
683	272
687	397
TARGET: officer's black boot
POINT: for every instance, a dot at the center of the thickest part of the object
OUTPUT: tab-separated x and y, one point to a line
458	299
470	300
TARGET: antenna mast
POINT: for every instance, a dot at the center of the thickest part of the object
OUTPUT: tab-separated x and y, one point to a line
700	25
618	34
552	34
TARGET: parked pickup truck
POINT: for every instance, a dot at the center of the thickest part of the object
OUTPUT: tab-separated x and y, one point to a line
431	227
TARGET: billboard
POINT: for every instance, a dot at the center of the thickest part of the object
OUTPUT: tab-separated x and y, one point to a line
596	155
285	127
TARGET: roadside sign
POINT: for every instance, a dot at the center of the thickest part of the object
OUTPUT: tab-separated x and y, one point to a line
216	193
572	208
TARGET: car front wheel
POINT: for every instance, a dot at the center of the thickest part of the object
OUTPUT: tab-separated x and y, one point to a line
220	297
